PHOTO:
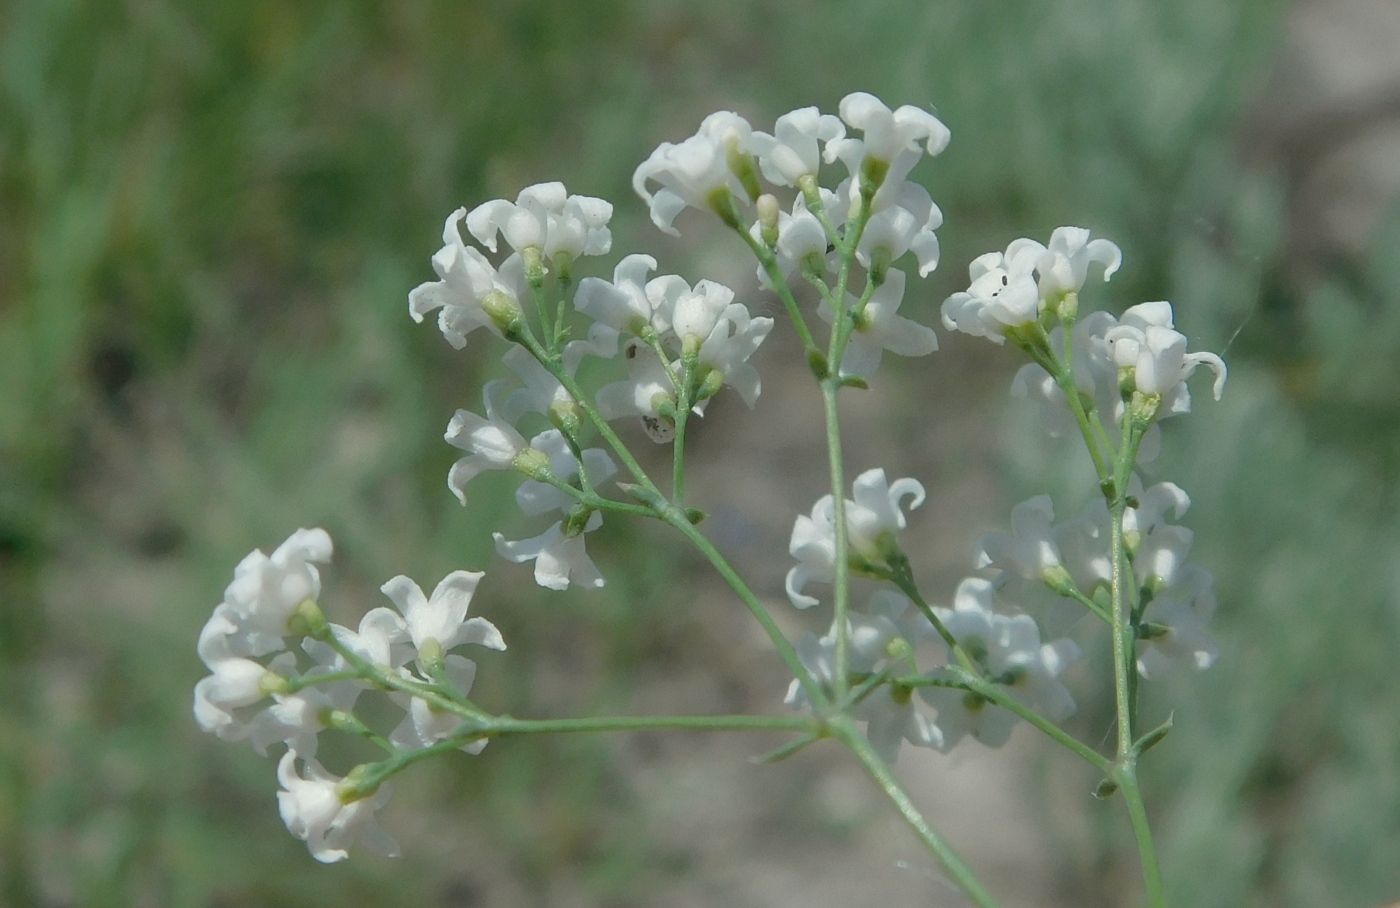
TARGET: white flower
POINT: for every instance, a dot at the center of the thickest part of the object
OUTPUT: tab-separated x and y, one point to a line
1175	621
379	641
706	314
492	442
466	278
904	219
537	498
729	336
641	393
791	152
296	719
313	812
1003	293
1030	550
696	173
545	217
872	520
880	328
423	725
801	239
886	134
1065	265
559	559
622	305
1145	343
890	714
1009	652
266	591
443	617
235	683
540	389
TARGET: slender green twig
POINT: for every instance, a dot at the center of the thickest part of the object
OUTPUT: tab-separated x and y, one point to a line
844	730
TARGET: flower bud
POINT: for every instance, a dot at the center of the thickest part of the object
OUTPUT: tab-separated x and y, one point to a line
768	211
1059	580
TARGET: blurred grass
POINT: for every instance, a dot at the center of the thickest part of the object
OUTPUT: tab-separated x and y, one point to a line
210	216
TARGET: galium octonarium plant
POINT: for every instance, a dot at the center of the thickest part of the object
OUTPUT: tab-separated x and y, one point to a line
892	667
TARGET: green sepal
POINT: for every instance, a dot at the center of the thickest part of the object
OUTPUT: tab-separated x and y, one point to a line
1105	789
577	521
854	381
646	496
1153	737
308	620
359	783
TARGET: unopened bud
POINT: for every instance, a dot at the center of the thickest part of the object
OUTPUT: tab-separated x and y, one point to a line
768	211
1059	580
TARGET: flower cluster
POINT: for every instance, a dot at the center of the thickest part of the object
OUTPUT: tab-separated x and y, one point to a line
1030	294
290	699
1052	568
281	673
1004	648
884	639
718	170
683	343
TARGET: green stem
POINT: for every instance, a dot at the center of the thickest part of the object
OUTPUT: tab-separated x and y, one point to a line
508	725
1003	699
1126	777
810	685
905	582
843	728
841	582
780	286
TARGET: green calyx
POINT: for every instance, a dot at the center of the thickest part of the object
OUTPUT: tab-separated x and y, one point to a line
360	783
504	312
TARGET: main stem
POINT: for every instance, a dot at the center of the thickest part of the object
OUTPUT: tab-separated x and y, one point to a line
1124	642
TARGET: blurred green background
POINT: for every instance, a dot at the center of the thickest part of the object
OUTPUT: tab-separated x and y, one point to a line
210	217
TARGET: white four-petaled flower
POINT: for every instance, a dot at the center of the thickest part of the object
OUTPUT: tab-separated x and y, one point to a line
872	519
